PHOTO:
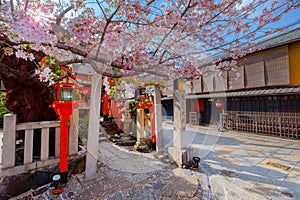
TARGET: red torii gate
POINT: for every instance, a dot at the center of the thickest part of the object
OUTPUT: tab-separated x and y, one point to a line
142	104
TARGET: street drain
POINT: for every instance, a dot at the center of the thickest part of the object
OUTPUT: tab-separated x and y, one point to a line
280	166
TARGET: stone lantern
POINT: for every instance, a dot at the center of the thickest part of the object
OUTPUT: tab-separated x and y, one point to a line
126	119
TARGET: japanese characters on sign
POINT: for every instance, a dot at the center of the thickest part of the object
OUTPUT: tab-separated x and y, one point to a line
182	112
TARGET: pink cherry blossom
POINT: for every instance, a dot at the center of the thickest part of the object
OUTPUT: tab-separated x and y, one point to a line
137	35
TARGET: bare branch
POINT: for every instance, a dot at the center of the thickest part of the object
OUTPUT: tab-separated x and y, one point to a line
59	18
26	5
69	48
173	27
103	71
99	4
105	28
66	62
150	2
96	67
12	8
153	72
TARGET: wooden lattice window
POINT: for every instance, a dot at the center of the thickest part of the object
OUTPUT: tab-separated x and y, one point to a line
208	83
277	67
220	82
188	87
236	79
255	76
197	85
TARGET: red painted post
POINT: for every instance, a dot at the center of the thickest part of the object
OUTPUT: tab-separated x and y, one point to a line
64	111
153	126
119	120
64	144
105	108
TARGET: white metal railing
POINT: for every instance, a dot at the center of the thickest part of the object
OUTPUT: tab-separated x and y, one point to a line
10	149
272	123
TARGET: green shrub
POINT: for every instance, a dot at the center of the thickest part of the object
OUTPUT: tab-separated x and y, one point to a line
3	109
83	129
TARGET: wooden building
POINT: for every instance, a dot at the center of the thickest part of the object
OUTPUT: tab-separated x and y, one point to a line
264	99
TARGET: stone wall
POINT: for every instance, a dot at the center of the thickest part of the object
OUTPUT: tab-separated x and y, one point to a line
11	186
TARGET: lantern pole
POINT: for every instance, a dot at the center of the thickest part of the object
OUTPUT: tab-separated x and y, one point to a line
64	151
64	105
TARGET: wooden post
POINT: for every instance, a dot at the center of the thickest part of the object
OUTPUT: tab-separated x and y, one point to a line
256	128
9	141
45	143
140	125
57	141
280	131
28	146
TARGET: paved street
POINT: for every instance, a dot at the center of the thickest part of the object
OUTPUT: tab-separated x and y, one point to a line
245	165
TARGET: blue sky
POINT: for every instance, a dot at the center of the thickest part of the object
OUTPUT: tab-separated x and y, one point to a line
288	18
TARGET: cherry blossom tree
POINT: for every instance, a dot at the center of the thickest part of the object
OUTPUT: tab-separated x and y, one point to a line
167	39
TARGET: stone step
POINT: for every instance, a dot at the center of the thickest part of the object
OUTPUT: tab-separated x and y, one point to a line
102	136
164	157
101	139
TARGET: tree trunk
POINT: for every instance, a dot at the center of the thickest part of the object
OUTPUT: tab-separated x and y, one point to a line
26	96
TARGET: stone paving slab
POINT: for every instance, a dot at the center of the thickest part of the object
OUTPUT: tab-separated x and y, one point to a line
236	164
128	161
181	185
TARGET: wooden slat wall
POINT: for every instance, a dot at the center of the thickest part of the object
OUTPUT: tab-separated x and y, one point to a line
238	83
264	56
221	82
255	75
188	87
197	85
266	68
277	71
208	84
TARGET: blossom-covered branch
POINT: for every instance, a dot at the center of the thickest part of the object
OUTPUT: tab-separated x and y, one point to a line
131	34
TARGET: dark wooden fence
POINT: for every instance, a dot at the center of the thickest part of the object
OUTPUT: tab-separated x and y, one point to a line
272	123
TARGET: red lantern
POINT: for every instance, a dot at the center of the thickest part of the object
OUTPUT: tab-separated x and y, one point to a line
64	105
219	105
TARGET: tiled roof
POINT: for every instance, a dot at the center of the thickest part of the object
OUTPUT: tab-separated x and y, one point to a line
292	90
270	42
278	40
